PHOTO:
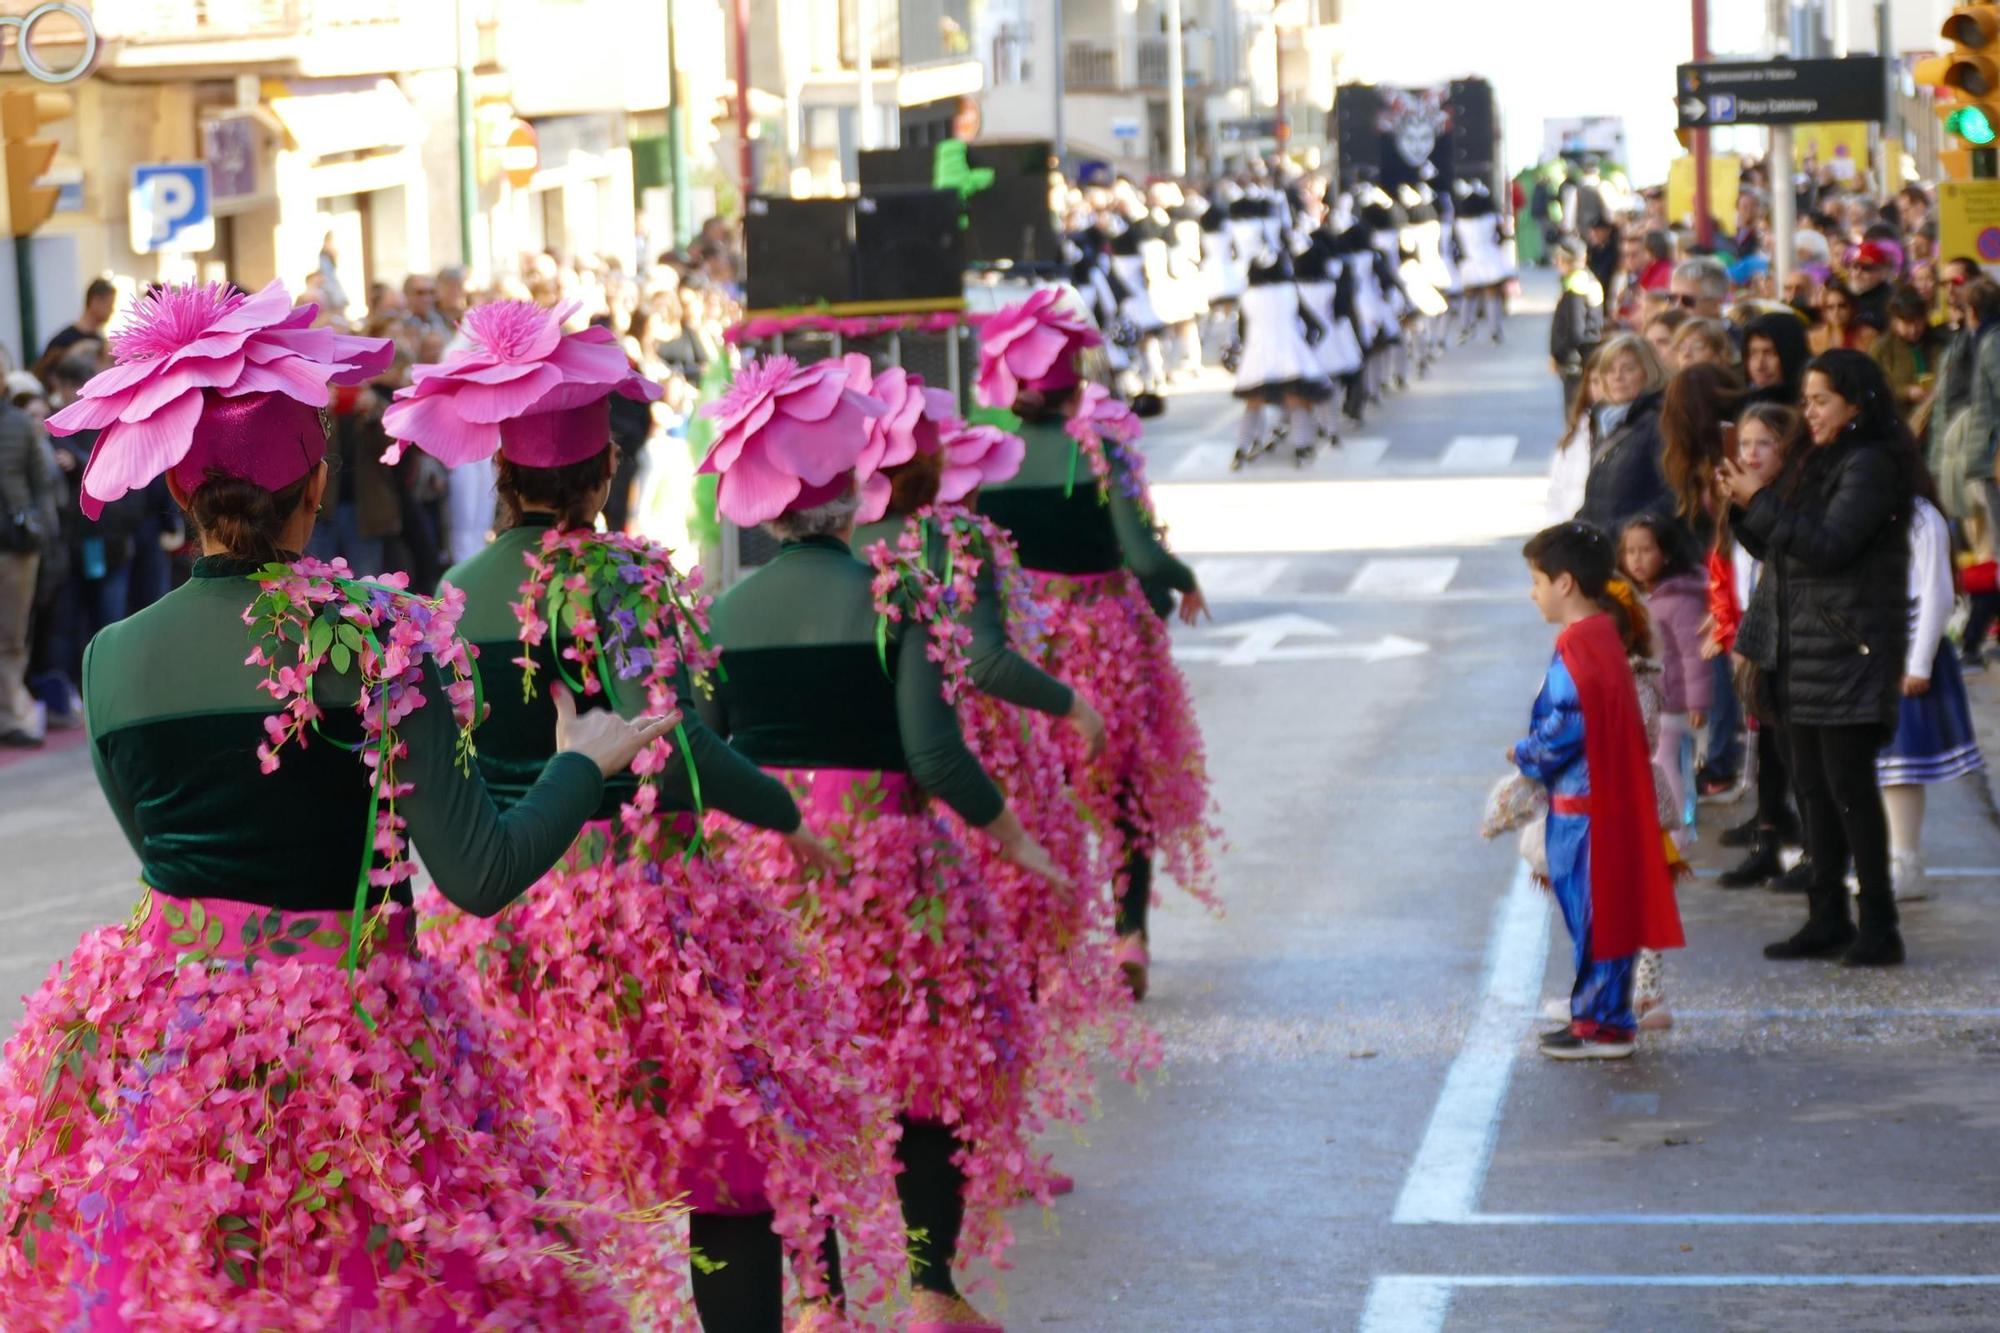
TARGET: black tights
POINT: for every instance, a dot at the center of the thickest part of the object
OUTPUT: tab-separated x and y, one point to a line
1774	780
740	1285
1136	894
932	1190
1833	773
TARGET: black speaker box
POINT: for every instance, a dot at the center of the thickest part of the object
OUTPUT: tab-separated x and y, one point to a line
1475	132
798	252
908	246
1014	158
881	168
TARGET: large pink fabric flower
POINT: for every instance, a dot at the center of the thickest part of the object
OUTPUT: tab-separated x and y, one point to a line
517	363
1031	345
184	342
909	425
1097	411
976	455
780	430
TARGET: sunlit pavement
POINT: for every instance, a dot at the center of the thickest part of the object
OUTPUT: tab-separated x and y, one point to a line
1352	1128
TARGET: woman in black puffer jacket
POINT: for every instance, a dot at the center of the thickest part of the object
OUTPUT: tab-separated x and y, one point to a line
1832	530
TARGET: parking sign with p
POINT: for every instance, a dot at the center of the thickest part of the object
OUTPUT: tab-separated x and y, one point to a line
170	208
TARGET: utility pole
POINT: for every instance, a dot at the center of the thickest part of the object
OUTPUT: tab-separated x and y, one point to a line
1176	93
1778	168
1889	154
1060	47
742	16
864	65
1704	221
468	177
677	163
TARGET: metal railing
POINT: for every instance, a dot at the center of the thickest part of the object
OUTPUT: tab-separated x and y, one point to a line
1103	64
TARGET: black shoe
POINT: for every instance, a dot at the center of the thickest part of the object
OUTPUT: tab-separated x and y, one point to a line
1760	867
1743	835
1567	1045
20	740
1302	455
1796	880
1816	939
1877	948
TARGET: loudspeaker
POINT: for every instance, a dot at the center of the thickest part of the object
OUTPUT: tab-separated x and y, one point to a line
797	252
1014	158
1010	220
1475	132
907	245
880	168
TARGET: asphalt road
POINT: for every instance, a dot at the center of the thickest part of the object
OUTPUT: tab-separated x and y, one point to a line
1352	1129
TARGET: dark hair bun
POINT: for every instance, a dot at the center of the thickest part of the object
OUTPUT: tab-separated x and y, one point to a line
243	518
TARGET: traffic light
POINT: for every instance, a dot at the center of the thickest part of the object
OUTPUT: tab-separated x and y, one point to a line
22	115
1966	83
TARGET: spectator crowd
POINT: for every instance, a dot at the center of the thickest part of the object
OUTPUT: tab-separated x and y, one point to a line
62	578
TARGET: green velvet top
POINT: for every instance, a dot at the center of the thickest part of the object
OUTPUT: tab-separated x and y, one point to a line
803	683
995	668
1062	522
176	717
518	734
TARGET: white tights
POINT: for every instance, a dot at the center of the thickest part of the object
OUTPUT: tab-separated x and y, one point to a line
1904	803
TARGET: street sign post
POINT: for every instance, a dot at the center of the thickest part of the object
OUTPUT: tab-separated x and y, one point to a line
1781	92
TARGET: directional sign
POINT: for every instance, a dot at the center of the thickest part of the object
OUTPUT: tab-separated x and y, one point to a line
1264	640
1781	92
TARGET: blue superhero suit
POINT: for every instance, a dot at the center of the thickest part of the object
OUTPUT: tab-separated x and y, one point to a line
1553	755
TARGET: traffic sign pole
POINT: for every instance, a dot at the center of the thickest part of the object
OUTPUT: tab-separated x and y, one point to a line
1704	221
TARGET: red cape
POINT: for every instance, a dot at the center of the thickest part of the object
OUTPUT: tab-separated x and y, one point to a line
1631	891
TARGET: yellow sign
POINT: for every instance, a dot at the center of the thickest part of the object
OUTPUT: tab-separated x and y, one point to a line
1839	147
1725	173
1969	222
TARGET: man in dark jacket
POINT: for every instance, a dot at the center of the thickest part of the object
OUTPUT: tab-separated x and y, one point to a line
1579	317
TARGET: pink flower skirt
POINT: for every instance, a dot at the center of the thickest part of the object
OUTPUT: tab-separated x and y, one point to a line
197	1129
691	1049
1148	792
1066	935
945	997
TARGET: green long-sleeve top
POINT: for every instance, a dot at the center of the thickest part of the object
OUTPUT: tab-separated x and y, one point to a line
518	734
994	666
1060	525
803	683
176	717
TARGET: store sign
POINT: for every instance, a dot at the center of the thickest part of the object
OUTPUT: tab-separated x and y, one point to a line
229	144
24	41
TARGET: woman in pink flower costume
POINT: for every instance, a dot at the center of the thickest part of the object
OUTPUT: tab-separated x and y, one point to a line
954	573
685	1041
1082	522
820	682
255	1105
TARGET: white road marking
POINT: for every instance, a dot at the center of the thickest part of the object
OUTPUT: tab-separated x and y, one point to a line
1355	514
1450	1166
1405	576
1263	640
1419	1303
1243	577
1360	451
1202	461
1470	452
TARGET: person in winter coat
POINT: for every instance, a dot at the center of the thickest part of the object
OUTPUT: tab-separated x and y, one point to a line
1774	357
1578	325
1833	531
1625	477
1677	600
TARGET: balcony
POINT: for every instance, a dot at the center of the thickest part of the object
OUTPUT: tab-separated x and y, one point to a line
1134	64
296	36
908	33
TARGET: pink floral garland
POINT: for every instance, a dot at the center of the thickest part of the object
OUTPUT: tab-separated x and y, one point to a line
907	586
318	615
1106	432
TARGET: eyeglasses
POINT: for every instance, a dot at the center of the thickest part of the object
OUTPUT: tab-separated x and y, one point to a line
1686	302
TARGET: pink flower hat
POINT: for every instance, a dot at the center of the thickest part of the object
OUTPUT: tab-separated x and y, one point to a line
786	438
1031	345
975	456
209	380
520	387
1098	412
910	425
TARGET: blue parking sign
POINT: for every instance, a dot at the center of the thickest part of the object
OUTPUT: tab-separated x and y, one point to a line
1721	108
171	207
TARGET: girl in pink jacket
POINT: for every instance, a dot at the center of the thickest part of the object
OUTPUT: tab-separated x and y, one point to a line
1652	560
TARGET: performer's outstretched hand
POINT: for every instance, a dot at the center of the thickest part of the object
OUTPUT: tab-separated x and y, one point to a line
1088	722
1194	606
601	736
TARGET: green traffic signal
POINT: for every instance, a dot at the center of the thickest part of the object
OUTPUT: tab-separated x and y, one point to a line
1971	124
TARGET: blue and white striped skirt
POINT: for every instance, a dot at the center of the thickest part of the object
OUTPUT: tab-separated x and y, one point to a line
1934	738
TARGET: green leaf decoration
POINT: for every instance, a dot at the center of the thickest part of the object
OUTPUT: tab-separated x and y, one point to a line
249	933
333	1180
341	657
329	938
173	914
89	1040
214	933
238	1241
287	948
378	1236
305	1191
274	921
302	927
322	637
180	937
197	916
349	637
28	1247
231	1222
236	1272
396	1253
317	1162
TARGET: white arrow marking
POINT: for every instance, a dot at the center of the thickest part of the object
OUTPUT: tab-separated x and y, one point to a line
1238	577
1694	108
1263	640
1470	453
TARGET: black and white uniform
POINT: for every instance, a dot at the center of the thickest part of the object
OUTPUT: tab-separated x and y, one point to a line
1277	359
1317	271
1485	258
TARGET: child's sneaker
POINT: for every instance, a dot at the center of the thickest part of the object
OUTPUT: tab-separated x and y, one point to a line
1579	1043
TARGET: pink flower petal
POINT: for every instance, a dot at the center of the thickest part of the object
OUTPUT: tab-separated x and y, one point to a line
496	402
293	376
130	454
752	491
446	436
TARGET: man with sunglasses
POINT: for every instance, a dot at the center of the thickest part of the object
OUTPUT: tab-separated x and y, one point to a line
1700	286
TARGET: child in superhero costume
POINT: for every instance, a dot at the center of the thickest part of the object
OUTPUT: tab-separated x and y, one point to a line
1587	745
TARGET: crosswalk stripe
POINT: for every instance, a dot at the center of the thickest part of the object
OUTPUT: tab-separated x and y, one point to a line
1237	576
1358	451
1480	451
1203	460
1405	576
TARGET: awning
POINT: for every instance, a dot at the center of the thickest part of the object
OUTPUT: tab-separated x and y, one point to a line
350	119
